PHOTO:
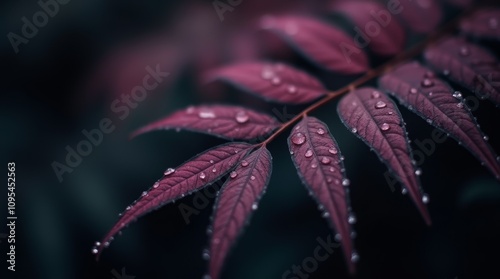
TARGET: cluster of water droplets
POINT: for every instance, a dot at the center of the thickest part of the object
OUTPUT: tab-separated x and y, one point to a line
271	74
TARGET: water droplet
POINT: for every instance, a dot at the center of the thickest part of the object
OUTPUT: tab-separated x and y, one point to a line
390	113
460	105
94	251
314	165
493	23
346	182
321	131
292	89
298	138
169	171
385	127
291	152
464	51
429	74
206	114
413	90
214	170
446	72
326	161
144	194
457	94
276	81
106	244
308	153
430	94
206	255
498	158
418	172
128	208
98	243
333	150
252	177
233	174
332	169
244	163
486	138
404	191
354	257
352	219
241	117
156	185
354	130
203	175
190	110
425	198
380	104
338	237
375	94
211	161
267	73
255	206
427	82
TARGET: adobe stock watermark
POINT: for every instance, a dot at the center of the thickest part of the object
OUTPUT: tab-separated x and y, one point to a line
309	265
426	147
121	106
122	275
30	27
221	7
364	35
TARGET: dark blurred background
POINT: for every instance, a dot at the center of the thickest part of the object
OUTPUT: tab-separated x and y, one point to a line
91	52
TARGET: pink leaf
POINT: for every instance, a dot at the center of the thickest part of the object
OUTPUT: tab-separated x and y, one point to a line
483	23
275	82
228	122
200	171
469	65
237	200
325	45
431	98
421	16
374	118
319	164
375	26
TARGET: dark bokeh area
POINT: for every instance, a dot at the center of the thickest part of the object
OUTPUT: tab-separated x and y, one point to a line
68	76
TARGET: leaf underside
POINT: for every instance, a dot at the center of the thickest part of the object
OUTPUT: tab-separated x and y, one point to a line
238	198
272	81
374	118
230	122
420	90
319	164
319	42
200	171
469	65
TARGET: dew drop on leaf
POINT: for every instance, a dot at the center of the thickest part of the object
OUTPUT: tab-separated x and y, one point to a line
425	198
156	184
252	177
308	153
427	83
94	251
169	171
413	90
206	114
276	81
354	257
333	150
241	117
255	206
314	165
352	219
375	94
233	174
418	172
385	127
326	161
203	175
354	130
321	131
292	89
214	170
332	169
298	138
380	104
244	163
325	214
346	182
404	191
